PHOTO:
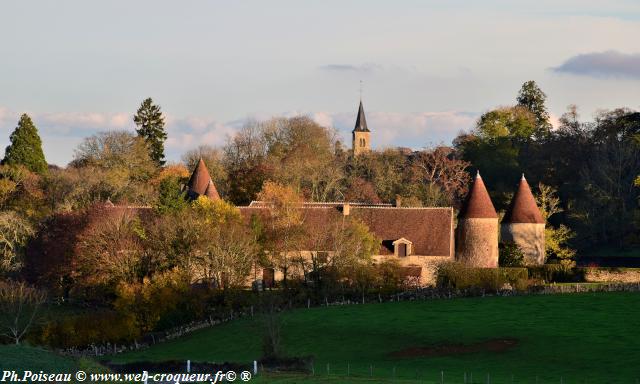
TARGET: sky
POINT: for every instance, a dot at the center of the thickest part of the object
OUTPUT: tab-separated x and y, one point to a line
428	68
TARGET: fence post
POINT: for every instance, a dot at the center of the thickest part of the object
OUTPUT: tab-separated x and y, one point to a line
348	369
255	367
442	377
488	379
188	366
328	369
371	370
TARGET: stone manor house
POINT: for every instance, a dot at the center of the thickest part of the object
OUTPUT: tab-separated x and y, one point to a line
419	238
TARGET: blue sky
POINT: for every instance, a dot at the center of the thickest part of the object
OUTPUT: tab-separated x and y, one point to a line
429	67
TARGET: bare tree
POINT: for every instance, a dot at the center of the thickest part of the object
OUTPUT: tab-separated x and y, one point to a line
19	308
110	250
439	167
14	233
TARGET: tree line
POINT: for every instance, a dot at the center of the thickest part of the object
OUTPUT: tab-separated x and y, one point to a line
56	232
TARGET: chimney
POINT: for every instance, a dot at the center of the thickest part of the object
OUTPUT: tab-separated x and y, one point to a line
398	201
346	209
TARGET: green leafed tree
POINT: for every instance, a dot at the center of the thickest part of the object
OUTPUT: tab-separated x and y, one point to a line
26	147
532	98
150	123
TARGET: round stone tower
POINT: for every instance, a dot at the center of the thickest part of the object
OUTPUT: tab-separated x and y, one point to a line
477	244
523	224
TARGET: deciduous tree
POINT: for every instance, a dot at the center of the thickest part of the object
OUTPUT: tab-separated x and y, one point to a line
20	306
15	231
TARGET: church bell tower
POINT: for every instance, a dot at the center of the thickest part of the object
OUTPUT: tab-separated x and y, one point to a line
361	135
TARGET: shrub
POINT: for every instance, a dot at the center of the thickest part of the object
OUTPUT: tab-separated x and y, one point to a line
510	255
81	330
148	301
459	276
556	273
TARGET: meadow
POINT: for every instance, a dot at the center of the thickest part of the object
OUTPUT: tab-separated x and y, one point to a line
572	338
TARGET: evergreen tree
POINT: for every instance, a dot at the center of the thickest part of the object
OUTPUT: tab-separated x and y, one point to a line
532	98
171	197
26	147
150	124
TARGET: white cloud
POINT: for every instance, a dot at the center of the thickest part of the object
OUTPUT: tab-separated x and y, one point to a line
414	130
61	132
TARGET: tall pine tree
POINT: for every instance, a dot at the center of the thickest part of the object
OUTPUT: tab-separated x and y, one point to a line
150	124
26	147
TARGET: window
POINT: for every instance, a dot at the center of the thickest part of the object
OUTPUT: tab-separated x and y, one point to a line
268	277
322	257
402	247
402	250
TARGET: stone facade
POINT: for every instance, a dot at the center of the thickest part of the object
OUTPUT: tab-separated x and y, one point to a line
361	142
530	239
524	225
477	242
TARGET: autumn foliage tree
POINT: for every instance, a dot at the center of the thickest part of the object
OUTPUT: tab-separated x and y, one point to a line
284	224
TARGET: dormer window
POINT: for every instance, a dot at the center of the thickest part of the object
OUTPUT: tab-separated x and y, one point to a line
402	247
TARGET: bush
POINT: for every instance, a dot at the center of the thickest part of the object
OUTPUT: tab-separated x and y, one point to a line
459	276
556	273
510	255
147	302
82	330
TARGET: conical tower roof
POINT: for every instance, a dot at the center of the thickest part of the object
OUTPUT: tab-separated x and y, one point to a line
478	204
523	208
361	121
212	192
200	183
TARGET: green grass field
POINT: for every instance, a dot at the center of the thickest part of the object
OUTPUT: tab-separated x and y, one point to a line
589	338
22	358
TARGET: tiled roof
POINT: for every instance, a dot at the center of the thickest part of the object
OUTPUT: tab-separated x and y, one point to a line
211	191
265	204
429	229
478	204
523	208
200	183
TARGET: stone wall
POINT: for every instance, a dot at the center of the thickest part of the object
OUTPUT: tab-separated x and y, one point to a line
477	242
530	239
429	265
617	275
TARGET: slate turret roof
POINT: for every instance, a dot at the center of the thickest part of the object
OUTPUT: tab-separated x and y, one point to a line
361	121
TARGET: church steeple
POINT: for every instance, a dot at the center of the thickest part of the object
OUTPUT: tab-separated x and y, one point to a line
361	121
361	134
